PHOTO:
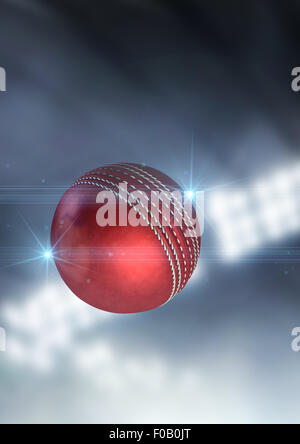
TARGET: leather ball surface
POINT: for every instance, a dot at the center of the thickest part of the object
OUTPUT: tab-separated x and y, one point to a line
121	269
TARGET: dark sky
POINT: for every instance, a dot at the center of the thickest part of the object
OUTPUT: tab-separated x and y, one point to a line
91	83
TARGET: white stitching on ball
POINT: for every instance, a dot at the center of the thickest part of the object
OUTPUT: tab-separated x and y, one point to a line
82	181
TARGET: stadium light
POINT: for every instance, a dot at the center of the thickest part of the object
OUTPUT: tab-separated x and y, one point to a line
267	210
46	324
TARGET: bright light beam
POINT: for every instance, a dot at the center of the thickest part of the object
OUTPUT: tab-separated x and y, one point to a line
48	255
192	161
27	261
190	194
31	231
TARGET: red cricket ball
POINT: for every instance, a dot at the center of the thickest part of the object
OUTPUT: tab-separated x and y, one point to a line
123	268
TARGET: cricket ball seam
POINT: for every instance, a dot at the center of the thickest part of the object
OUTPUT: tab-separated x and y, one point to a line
173	293
134	167
179	285
182	282
158	186
160	212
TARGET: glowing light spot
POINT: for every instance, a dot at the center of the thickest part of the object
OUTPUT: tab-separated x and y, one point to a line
48	255
190	194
